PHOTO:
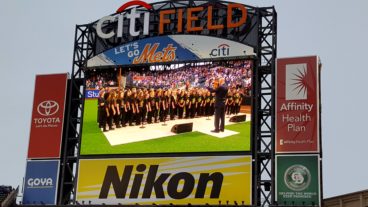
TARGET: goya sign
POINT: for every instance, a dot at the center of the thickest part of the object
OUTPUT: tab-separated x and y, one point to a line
183	180
41	181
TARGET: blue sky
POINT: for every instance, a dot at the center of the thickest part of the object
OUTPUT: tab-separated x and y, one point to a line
37	37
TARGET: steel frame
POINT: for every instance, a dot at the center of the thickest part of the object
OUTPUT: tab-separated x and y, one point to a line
87	45
263	122
83	46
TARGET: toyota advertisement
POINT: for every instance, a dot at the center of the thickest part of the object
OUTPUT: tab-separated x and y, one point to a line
47	116
171	48
40	183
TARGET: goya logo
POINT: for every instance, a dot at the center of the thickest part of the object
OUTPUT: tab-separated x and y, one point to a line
40	183
132	17
222	50
48	108
297	178
151	55
177	186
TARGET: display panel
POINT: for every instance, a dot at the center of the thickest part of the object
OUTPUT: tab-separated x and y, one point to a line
47	116
298	180
164	180
297	105
41	182
179	48
137	107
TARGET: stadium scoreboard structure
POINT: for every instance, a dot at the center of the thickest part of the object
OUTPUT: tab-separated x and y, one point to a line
273	159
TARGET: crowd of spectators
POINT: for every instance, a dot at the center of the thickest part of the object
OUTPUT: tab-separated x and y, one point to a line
237	75
100	80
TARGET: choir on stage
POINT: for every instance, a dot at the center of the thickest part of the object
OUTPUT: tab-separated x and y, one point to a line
121	108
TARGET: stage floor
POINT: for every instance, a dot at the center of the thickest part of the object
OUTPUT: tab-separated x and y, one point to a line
132	134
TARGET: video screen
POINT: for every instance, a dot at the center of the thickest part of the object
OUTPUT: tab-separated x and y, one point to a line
174	108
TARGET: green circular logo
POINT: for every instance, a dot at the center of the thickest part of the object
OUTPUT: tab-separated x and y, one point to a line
297	178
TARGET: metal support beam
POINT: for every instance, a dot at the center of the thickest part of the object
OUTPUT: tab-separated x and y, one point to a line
263	123
72	135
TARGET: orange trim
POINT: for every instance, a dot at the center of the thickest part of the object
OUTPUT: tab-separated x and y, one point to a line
230	23
191	18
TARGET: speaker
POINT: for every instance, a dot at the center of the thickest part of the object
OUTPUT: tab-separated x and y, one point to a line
181	128
238	118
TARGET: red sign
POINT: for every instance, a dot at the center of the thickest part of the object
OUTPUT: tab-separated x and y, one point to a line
47	116
297	105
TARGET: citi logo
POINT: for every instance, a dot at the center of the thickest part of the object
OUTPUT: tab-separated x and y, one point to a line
48	108
221	51
132	17
40	183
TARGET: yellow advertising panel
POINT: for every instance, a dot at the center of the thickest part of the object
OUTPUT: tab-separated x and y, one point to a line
165	180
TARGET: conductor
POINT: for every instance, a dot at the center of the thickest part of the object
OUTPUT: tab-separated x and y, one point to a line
220	90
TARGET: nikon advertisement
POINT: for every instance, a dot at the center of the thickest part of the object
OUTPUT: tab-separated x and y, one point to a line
165	180
297	180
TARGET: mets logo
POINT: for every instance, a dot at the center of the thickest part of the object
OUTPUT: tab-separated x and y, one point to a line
297	178
48	108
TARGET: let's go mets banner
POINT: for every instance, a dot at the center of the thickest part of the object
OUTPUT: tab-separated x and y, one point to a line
297	105
165	180
171	48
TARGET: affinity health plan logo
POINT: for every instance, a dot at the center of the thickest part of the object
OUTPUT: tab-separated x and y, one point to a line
296	82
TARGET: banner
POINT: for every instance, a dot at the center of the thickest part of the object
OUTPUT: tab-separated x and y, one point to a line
91	93
170	49
165	180
297	105
41	182
298	180
47	116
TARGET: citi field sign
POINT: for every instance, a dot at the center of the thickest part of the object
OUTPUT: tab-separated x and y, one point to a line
165	17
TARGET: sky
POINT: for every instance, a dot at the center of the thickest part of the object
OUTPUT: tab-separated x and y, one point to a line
36	37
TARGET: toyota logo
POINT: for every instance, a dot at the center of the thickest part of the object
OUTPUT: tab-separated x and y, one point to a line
48	108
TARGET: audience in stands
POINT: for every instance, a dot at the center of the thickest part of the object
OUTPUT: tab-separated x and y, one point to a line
237	74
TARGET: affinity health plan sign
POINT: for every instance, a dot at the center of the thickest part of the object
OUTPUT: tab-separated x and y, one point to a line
297	105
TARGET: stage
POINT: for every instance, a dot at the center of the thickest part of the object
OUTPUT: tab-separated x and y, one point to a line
131	134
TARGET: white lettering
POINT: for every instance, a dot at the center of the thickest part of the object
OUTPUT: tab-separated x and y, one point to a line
292	106
34	182
146	23
99	31
132	17
55	120
120	25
